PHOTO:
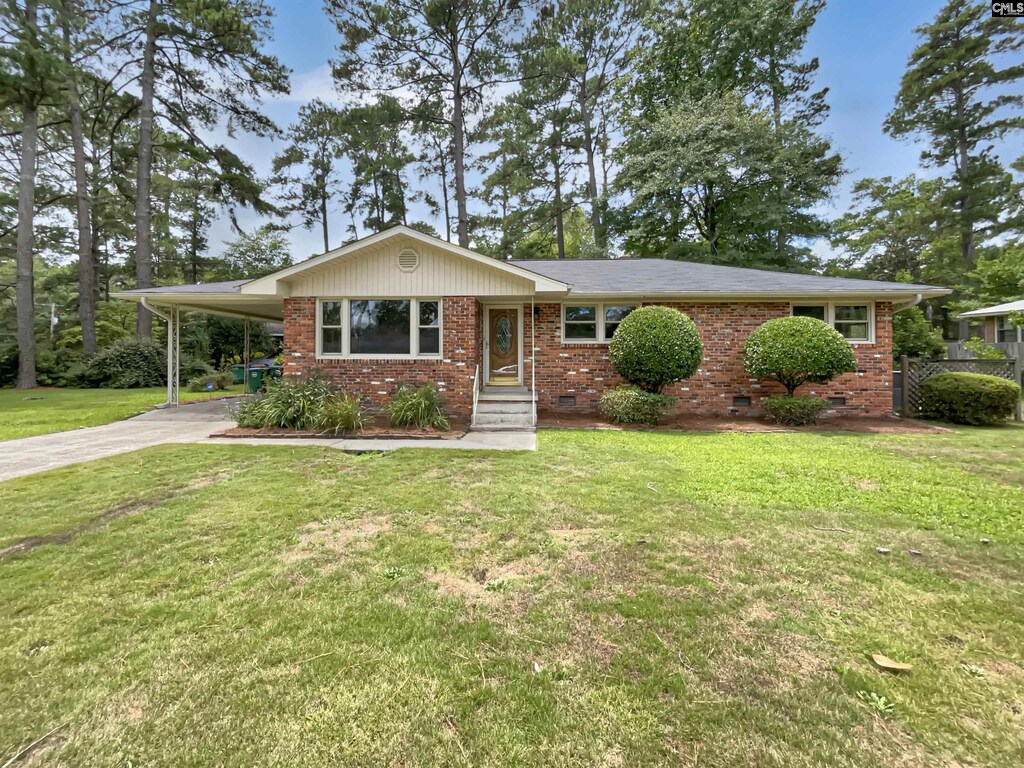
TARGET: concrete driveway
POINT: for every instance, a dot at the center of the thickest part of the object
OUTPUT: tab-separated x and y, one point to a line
194	424
185	424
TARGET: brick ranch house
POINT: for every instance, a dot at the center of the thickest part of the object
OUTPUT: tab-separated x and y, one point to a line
403	307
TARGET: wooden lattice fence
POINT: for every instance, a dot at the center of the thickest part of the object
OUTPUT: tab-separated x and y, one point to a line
915	371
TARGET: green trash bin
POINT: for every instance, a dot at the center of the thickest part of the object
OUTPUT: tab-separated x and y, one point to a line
276	371
238	371
256	379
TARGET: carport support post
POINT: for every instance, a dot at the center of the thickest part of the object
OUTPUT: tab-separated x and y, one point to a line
174	357
245	357
173	320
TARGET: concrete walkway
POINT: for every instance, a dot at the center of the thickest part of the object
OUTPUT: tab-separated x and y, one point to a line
194	424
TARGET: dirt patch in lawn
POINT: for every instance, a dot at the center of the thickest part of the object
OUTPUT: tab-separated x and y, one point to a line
337	536
487	584
126	509
690	423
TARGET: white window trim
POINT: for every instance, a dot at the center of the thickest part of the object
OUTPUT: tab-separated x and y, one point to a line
1004	320
346	330
599	306
830	315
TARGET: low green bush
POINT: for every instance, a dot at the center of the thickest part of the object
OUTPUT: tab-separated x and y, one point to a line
296	403
191	367
968	398
656	346
794	411
216	382
632	405
423	407
342	413
125	364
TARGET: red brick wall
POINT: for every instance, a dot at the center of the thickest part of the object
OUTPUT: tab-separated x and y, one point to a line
584	370
375	380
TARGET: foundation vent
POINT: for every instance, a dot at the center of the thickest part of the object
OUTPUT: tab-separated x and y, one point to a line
408	260
741	401
837	401
567	401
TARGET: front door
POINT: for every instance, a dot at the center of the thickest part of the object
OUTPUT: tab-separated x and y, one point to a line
502	342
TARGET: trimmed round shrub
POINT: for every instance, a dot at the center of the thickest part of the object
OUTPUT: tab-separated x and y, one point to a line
656	346
632	405
968	398
794	411
795	350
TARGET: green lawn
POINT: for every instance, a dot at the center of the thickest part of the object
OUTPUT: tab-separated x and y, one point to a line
24	413
614	599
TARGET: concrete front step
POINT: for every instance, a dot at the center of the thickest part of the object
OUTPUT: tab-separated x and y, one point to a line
501	428
503	419
504	406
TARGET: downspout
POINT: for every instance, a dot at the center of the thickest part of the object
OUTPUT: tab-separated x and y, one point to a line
907	304
172	371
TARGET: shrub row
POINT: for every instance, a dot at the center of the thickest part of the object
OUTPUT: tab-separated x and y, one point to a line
312	403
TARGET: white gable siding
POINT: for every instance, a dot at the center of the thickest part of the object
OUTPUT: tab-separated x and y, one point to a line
376	274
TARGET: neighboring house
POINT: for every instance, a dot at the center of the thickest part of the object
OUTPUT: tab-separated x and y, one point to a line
996	324
402	307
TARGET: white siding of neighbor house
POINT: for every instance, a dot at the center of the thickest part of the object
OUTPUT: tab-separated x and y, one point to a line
374	273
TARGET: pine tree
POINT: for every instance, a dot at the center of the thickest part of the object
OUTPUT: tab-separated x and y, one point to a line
197	63
307	167
447	54
959	95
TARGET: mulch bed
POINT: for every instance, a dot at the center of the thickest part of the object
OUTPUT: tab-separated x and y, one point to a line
686	423
369	432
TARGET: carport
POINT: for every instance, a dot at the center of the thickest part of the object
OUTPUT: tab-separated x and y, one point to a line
223	298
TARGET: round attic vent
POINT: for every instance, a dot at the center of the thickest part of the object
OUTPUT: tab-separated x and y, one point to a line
408	260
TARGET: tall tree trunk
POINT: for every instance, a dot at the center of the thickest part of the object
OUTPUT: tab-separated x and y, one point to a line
144	174
781	236
964	202
86	267
459	148
559	213
443	165
596	219
24	290
323	220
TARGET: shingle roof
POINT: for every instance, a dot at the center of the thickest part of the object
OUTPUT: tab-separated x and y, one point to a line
998	309
655	276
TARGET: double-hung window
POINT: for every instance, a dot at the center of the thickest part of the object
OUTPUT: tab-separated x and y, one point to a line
592	322
1006	330
853	321
379	328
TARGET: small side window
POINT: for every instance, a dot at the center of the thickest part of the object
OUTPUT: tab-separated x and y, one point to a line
817	311
581	323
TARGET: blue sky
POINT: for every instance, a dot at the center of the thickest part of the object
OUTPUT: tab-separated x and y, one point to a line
862	46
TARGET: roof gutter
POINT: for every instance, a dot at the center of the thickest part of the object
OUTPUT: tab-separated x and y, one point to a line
908	304
154	310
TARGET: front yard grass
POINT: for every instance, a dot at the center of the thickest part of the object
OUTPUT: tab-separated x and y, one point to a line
28	412
633	599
